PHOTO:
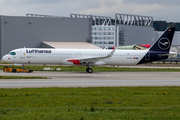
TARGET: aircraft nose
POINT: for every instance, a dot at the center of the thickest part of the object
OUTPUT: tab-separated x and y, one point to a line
5	58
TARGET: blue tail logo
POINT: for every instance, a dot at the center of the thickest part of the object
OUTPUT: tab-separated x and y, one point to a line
164	43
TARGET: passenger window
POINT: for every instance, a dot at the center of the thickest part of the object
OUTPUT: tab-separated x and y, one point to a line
12	53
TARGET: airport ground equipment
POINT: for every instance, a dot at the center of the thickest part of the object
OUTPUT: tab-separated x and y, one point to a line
14	70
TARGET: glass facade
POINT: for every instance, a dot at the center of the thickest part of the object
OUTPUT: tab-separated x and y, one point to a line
103	36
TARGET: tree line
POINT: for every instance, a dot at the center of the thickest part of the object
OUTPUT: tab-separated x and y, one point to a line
162	25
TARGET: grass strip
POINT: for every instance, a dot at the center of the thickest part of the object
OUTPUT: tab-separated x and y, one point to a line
21	77
100	103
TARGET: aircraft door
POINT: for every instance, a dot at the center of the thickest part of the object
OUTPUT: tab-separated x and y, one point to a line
22	54
147	57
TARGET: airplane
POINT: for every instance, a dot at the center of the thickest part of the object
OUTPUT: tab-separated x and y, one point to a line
94	57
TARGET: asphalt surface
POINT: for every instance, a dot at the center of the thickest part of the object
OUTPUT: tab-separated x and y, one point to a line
96	79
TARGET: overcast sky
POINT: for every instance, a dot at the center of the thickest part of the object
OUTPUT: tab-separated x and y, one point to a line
167	10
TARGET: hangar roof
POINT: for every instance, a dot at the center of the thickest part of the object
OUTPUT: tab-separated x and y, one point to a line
70	45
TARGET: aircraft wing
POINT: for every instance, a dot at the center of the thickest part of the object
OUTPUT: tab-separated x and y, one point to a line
95	60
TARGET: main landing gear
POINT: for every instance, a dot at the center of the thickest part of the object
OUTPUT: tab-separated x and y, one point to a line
88	69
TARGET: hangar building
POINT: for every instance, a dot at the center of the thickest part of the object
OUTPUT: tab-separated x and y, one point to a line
32	30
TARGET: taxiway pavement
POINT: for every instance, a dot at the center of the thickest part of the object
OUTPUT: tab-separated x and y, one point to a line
96	79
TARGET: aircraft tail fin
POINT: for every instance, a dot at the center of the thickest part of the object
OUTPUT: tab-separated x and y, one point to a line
160	49
163	44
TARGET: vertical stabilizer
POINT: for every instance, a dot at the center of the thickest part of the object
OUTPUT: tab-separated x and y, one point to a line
163	44
160	49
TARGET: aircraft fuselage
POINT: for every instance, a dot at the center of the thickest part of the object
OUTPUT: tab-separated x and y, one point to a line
61	56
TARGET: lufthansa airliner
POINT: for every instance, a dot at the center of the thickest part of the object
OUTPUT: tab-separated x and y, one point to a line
88	57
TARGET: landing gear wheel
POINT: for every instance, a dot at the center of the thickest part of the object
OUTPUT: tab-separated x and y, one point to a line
14	70
89	70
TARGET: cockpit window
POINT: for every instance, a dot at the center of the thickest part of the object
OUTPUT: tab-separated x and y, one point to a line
12	53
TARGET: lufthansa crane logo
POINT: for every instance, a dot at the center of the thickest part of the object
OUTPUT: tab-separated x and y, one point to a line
164	43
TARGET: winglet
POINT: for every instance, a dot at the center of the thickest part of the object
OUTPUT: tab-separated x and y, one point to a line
111	54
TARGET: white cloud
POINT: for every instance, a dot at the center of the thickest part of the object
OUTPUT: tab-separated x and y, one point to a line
159	10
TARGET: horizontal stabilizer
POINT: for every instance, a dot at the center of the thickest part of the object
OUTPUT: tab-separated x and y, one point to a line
170	55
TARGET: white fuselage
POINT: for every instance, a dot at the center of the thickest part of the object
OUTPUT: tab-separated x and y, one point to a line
61	56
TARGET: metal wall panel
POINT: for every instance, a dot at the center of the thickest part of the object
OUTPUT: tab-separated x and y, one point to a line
19	32
137	34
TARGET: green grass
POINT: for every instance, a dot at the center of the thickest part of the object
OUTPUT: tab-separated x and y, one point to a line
93	103
21	77
103	69
97	69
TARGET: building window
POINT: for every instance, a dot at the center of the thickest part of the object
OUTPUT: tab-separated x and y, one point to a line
102	33
97	38
102	28
106	28
102	38
98	28
111	38
111	33
111	28
107	38
97	33
93	28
